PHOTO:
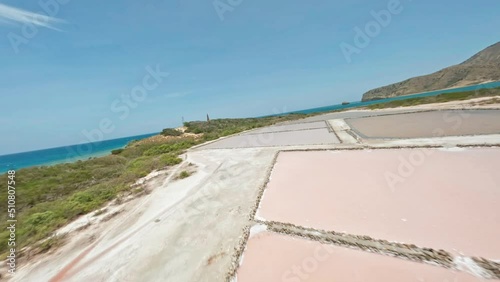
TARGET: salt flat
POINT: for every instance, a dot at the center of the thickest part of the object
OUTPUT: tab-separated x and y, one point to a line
196	229
437	198
428	124
274	257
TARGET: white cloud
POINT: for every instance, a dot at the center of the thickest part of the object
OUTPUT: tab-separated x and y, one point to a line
10	15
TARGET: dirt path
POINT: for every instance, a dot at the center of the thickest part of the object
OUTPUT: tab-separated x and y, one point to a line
184	230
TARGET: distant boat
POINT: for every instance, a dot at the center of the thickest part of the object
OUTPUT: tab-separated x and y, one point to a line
345	103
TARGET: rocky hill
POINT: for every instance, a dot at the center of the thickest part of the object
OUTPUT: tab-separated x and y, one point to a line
482	67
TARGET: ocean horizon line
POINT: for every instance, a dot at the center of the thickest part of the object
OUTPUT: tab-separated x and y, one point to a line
65	154
72	145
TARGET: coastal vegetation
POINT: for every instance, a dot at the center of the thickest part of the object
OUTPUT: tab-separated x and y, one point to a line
49	197
441	98
184	174
171	132
117	151
223	127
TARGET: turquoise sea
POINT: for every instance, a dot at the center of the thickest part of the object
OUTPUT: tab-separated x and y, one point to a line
64	154
424	94
85	151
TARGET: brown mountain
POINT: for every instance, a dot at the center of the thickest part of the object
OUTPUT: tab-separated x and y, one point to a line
482	67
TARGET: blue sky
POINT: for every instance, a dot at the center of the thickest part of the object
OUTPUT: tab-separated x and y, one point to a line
263	57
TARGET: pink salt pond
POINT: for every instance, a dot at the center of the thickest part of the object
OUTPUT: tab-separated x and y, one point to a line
271	257
428	124
436	198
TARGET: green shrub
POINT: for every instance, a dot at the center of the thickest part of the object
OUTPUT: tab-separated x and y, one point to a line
141	166
117	151
171	132
184	174
170	159
171	147
38	225
42	218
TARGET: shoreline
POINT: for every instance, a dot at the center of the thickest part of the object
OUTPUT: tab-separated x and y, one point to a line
62	161
449	90
71	154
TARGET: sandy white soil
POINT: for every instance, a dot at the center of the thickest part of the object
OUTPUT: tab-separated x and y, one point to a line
184	230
